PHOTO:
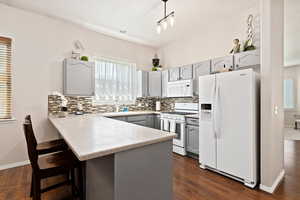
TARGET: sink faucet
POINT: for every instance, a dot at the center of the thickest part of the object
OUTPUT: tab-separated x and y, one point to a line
117	105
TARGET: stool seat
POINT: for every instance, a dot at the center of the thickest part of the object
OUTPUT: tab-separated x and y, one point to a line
57	163
51	146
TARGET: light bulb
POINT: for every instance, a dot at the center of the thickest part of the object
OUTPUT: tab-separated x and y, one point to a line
158	28
172	20
165	24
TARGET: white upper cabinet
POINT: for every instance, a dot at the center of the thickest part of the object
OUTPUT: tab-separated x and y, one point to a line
164	81
142	83
186	72
79	78
174	74
200	69
155	84
219	63
247	59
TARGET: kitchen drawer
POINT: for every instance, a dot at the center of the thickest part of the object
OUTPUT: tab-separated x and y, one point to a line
192	121
137	118
141	123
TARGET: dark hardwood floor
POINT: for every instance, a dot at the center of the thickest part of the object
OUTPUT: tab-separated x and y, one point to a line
190	182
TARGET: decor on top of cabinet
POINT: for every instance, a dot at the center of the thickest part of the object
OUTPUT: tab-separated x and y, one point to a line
225	69
84	58
155	62
248	46
236	46
78	50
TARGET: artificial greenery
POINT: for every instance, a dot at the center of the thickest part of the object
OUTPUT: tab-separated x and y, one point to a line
248	47
84	58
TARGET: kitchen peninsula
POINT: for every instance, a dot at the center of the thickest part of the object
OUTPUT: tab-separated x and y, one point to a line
123	161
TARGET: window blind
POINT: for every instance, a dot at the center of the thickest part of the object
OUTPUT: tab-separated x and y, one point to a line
5	78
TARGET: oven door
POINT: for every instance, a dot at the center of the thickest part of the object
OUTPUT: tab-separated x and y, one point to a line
179	140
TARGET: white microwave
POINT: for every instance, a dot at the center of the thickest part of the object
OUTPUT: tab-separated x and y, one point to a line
182	88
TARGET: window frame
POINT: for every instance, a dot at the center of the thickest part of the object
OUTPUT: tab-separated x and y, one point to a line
12	118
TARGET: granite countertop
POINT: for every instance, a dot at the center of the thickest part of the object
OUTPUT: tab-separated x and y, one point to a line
94	135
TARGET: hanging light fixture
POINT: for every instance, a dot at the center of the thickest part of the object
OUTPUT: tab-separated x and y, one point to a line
158	28
170	18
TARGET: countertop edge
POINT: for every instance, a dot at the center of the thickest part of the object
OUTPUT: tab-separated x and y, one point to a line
122	149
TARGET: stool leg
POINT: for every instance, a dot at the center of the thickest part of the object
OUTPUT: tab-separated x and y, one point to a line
31	185
80	183
73	183
37	188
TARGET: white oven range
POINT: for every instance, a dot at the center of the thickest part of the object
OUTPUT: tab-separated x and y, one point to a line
175	122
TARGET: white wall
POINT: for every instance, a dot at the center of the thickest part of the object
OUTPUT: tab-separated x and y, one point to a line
291	32
39	46
272	143
215	39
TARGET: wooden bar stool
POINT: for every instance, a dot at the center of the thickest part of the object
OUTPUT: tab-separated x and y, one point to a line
49	146
59	163
46	147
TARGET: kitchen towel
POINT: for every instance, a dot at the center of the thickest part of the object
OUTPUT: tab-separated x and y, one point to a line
172	126
157	106
166	125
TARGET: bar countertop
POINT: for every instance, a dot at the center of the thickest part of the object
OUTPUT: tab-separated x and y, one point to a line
94	135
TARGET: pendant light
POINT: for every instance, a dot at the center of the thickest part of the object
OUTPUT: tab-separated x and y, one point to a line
163	23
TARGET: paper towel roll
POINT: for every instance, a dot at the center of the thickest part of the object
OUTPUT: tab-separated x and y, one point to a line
157	106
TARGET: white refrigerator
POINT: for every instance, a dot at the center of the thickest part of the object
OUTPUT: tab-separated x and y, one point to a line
229	124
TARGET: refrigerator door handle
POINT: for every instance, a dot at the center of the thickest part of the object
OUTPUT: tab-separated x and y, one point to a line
218	119
215	108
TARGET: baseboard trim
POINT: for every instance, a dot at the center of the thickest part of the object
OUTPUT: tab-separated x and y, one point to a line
13	165
275	184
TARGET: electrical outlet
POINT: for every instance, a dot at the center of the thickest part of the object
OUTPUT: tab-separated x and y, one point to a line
276	110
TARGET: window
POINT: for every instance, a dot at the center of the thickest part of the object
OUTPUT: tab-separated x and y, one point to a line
288	93
5	78
115	82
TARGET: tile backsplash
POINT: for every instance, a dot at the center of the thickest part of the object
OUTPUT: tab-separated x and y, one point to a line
141	104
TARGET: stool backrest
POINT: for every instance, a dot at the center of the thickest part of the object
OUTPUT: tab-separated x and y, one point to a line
31	143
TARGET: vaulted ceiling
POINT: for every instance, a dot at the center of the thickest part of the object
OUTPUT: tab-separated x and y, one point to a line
137	17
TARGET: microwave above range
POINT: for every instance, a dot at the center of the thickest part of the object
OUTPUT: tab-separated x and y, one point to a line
182	88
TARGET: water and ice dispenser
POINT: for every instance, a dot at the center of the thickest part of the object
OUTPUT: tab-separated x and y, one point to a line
206	112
